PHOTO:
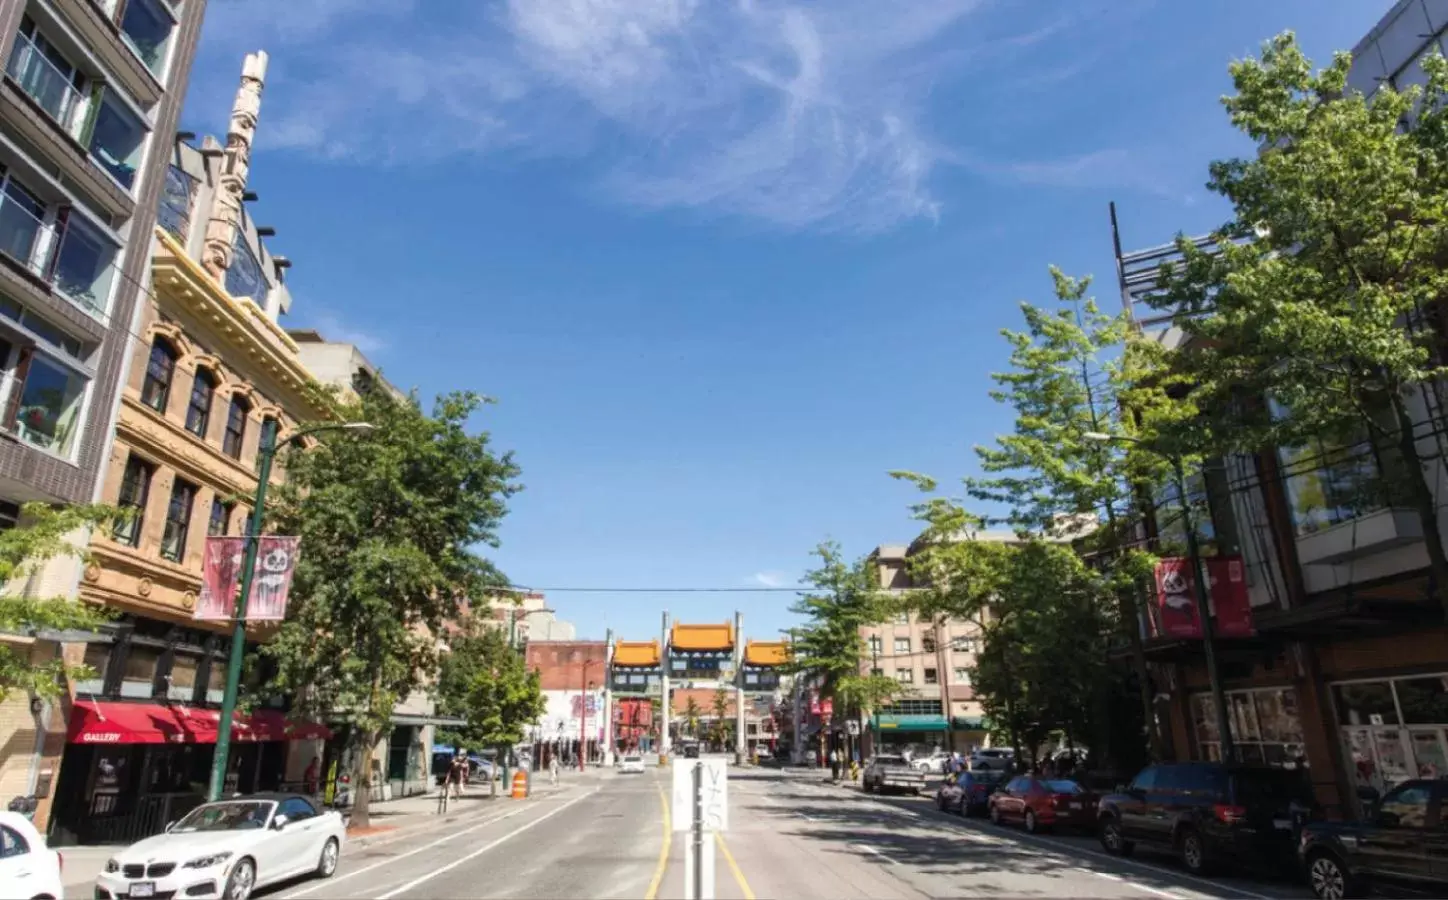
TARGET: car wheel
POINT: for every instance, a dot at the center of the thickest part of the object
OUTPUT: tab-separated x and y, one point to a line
940	803
1112	840
995	815
1328	878
1193	852
1031	824
327	864
243	878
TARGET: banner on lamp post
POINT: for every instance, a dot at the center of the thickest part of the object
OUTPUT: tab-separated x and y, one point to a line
1176	599
220	576
276	559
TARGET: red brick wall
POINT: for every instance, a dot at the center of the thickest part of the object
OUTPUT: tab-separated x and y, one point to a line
568	665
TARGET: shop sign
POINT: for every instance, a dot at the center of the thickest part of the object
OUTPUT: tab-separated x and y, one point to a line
107	737
1176	598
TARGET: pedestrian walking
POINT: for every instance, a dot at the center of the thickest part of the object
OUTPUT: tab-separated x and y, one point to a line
456	773
553	770
835	764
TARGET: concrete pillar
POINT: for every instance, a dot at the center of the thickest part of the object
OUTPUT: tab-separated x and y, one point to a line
740	741
664	747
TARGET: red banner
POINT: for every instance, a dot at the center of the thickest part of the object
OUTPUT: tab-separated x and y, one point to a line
1176	598
276	559
220	574
827	707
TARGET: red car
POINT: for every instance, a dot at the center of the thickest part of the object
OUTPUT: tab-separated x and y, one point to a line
1044	803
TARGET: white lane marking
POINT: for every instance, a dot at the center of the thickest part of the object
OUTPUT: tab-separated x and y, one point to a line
1215	887
413	852
875	852
1131	884
484	849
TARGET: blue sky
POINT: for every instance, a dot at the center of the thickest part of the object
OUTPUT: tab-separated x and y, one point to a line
723	263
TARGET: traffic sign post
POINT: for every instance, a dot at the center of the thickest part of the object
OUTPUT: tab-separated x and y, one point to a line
701	806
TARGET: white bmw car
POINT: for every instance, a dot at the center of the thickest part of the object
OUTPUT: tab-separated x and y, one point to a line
631	764
228	849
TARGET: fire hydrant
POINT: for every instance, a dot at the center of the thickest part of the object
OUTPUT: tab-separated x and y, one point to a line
854	770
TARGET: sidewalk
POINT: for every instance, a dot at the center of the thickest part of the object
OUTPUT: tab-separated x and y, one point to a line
390	821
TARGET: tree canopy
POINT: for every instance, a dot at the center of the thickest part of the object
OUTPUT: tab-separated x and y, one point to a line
389	526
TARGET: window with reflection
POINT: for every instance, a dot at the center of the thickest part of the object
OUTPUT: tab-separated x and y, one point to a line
47	414
1332	483
135	488
220	519
85	263
146	25
235	436
198	411
1406	807
178	520
244	277
174	213
160	370
138	679
118	140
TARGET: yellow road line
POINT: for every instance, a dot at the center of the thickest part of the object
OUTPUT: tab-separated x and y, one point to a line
734	866
658	878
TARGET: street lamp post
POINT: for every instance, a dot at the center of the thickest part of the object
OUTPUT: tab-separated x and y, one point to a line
265	452
1219	697
583	715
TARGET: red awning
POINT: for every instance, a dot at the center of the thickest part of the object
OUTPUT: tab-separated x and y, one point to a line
101	722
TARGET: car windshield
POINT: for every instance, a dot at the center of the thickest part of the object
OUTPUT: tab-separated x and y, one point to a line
232	815
633	759
890	760
1061	786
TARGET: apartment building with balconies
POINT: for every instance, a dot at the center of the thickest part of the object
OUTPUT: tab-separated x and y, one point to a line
1347	672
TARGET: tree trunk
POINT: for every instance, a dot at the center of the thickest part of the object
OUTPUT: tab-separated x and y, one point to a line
362	779
1132	613
1421	496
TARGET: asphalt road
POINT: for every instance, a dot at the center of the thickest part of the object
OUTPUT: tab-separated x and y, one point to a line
789	836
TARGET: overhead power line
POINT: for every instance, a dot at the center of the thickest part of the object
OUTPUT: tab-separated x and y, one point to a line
514	588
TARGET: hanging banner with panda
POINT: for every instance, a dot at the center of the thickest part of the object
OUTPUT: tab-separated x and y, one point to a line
276	558
1176	612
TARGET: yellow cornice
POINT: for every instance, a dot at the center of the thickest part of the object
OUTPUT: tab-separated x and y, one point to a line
239	321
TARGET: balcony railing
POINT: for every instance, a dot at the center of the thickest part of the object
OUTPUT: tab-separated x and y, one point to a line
72	259
47	85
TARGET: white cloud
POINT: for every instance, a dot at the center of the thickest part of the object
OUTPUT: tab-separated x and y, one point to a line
797	114
773	579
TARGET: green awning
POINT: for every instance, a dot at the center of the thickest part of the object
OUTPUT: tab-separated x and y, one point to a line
910	723
970	723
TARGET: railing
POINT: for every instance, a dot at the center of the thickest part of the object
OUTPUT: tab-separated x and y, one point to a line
149	816
76	263
46	84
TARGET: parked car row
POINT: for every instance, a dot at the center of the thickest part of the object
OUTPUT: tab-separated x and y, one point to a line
1213	816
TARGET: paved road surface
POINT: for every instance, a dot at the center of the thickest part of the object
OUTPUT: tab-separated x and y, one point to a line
790	836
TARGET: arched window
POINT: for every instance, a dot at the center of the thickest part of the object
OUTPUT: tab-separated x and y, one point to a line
160	370
198	411
235	426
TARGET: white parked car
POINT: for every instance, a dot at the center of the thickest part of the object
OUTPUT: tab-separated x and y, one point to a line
28	868
228	849
631	764
996	759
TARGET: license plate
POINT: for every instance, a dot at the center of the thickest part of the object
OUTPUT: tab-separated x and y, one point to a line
1075	806
1282	824
143	889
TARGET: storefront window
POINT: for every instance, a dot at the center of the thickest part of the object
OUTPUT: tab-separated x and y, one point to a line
1424	700
97	659
216	681
183	678
1264	723
1365	703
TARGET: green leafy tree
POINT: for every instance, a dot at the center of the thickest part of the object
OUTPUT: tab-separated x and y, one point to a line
828	650
502	698
692	713
46	533
388	525
720	730
1324	290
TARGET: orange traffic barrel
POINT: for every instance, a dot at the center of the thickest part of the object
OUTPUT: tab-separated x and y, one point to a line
520	785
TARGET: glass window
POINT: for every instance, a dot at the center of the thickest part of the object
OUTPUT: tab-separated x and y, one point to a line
296	808
135	488
118	140
178	520
1424	700
174	213
12	844
198	411
160	369
147	26
182	682
1406	807
97	659
932	676
1144	780
927	644
85	264
902	618
905	676
139	677
902	645
877	645
1328	486
960	676
235	427
46	75
1365	703
48	413
216	680
21	214
244	277
220	518
1171	524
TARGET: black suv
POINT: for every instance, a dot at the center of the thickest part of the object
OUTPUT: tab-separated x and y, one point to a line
1208	812
1401	845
